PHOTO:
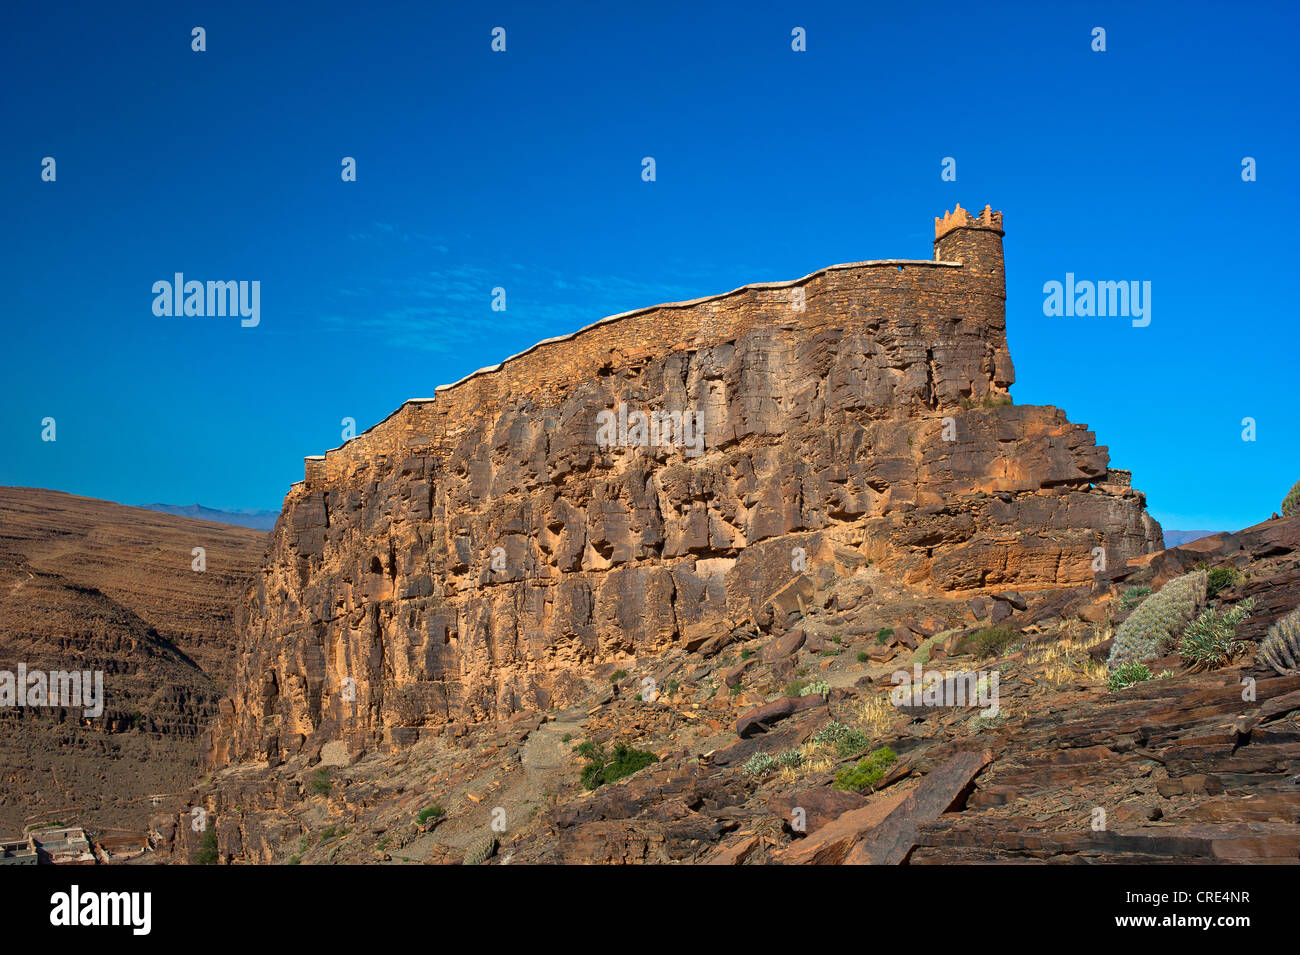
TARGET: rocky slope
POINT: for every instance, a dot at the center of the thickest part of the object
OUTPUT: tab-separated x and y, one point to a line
483	554
1191	767
92	585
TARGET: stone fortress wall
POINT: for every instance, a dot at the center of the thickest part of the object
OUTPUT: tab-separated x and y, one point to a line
965	278
480	553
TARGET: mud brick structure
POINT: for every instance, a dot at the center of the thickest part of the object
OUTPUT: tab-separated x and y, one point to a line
478	554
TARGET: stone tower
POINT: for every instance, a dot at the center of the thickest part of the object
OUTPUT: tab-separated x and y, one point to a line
975	242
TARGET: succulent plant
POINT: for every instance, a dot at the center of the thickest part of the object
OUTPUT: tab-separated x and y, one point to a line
1153	627
1291	503
1211	639
1280	648
481	850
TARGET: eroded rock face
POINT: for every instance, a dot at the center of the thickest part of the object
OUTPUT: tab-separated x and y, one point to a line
482	553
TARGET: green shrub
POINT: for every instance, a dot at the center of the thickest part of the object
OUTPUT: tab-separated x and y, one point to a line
1126	675
1132	597
1210	641
589	750
1280	647
794	688
1291	503
991	641
1220	578
883	634
430	812
617	675
207	854
320	783
868	771
862	656
1153	628
624	762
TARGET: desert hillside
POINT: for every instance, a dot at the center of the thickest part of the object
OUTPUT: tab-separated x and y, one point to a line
89	585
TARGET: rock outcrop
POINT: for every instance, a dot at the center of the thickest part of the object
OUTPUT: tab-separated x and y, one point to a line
481	553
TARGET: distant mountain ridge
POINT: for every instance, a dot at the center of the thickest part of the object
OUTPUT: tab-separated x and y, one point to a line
259	520
1179	538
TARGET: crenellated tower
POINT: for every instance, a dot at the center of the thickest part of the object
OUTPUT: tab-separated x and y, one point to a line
975	242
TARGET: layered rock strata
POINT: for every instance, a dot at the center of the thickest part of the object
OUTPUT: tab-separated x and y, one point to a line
477	554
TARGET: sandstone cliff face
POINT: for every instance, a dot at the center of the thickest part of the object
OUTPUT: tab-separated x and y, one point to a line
478	554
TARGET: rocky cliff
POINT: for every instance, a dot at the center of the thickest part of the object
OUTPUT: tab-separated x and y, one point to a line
481	553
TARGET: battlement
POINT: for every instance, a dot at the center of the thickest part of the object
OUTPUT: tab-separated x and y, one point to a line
851	292
959	218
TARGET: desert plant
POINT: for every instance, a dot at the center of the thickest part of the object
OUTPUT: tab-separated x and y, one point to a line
206	854
991	641
852	743
818	688
1291	503
430	812
1132	597
832	732
868	771
1152	629
863	657
883	634
1280	648
760	764
320	783
480	851
1220	578
1126	675
624	761
617	675
845	740
1210	641
794	688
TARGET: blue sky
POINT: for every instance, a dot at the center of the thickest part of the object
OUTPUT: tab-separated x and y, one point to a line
522	170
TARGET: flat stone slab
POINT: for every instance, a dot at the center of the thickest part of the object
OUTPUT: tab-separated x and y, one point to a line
890	842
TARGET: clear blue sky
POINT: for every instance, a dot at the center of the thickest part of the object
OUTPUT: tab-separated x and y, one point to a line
522	170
